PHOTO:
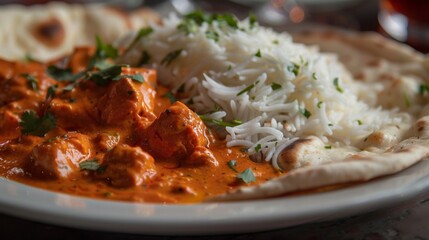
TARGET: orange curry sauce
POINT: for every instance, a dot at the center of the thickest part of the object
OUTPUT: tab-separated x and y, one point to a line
147	148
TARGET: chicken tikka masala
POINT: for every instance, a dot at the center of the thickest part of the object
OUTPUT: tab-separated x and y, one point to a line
85	126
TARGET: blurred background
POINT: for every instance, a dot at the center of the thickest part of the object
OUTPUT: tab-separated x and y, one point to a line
403	20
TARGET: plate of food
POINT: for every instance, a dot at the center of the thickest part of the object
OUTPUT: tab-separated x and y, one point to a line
205	124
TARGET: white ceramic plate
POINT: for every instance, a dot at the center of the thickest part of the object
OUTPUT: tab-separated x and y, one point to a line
213	218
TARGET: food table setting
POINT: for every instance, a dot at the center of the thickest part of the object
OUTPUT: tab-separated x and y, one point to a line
214	120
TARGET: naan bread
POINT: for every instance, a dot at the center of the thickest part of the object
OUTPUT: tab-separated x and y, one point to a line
47	32
400	71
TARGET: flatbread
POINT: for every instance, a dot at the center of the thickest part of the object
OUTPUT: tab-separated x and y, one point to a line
50	31
371	58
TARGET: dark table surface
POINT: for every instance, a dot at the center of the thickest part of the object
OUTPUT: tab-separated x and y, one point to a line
408	220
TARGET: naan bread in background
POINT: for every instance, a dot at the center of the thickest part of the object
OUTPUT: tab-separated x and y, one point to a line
47	32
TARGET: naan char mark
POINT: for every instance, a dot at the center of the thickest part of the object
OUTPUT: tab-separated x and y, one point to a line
50	32
301	153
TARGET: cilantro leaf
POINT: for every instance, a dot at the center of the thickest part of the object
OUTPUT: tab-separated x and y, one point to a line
103	77
275	86
91	165
220	122
170	57
170	96
145	58
232	164
423	88
337	85
258	53
102	52
135	77
32	124
247	176
143	32
247	89
306	113
31	81
252	20
63	75
212	35
294	68
258	147
51	91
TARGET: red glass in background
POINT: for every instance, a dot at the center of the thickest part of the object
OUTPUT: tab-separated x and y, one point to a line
406	21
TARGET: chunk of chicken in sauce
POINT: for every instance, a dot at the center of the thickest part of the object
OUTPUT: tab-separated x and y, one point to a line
125	166
179	137
59	157
128	100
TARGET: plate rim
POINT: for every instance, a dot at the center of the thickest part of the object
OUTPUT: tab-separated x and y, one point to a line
208	218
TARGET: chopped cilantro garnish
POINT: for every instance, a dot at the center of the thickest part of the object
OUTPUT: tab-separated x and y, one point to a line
306	113
423	88
63	75
276	41
232	164
91	165
246	89
69	87
135	77
247	176
258	147
275	86
145	58
319	104
220	122
252	20
32	124
407	100
51	91
258	53
294	68
337	85
212	35
29	58
194	19
328	147
170	57
31	81
330	124
359	122
103	77
314	76
102	52
143	32
170	97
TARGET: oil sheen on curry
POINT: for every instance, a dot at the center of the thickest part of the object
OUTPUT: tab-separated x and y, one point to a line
85	126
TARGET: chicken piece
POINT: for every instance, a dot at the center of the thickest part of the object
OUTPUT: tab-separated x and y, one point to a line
71	115
106	142
59	157
126	166
127	99
176	134
201	156
9	126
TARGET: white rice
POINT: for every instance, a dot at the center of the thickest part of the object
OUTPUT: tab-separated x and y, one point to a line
215	74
